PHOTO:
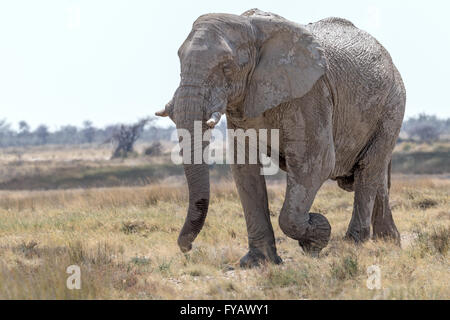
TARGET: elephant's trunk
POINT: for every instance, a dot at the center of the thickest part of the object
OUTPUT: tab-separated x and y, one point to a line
189	106
197	176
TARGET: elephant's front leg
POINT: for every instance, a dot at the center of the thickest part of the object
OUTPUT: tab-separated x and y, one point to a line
312	230
309	153
252	190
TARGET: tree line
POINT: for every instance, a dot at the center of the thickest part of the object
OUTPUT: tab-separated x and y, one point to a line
422	128
426	128
73	135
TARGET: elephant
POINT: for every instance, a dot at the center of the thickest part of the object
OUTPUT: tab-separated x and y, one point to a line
336	98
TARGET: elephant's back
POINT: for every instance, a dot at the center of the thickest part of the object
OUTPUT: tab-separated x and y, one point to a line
362	76
352	52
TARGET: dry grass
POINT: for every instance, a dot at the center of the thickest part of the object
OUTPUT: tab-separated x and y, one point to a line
40	162
89	166
124	240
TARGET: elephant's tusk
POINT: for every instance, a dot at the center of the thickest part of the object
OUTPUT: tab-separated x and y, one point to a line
161	113
215	118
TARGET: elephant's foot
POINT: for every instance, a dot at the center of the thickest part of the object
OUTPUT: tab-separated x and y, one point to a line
255	257
386	231
357	235
382	221
317	236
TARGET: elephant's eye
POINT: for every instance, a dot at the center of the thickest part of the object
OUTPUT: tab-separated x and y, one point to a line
228	69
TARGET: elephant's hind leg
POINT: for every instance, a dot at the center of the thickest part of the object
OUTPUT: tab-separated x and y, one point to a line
372	175
382	221
371	206
371	203
364	200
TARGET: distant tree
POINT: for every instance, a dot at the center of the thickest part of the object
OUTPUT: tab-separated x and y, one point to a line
23	137
109	131
424	127
447	126
154	133
426	132
155	149
24	128
5	133
126	136
4	126
42	134
88	132
67	135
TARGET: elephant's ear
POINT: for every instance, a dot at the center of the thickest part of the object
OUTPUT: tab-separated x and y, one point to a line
290	62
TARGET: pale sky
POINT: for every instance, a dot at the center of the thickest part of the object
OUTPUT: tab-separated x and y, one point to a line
66	61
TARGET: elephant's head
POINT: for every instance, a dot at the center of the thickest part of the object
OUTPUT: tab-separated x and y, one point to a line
246	64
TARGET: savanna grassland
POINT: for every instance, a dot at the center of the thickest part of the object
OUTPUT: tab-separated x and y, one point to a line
123	236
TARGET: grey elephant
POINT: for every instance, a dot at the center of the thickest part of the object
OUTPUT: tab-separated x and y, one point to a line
337	100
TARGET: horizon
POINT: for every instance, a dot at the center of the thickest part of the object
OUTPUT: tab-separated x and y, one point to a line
155	124
64	62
